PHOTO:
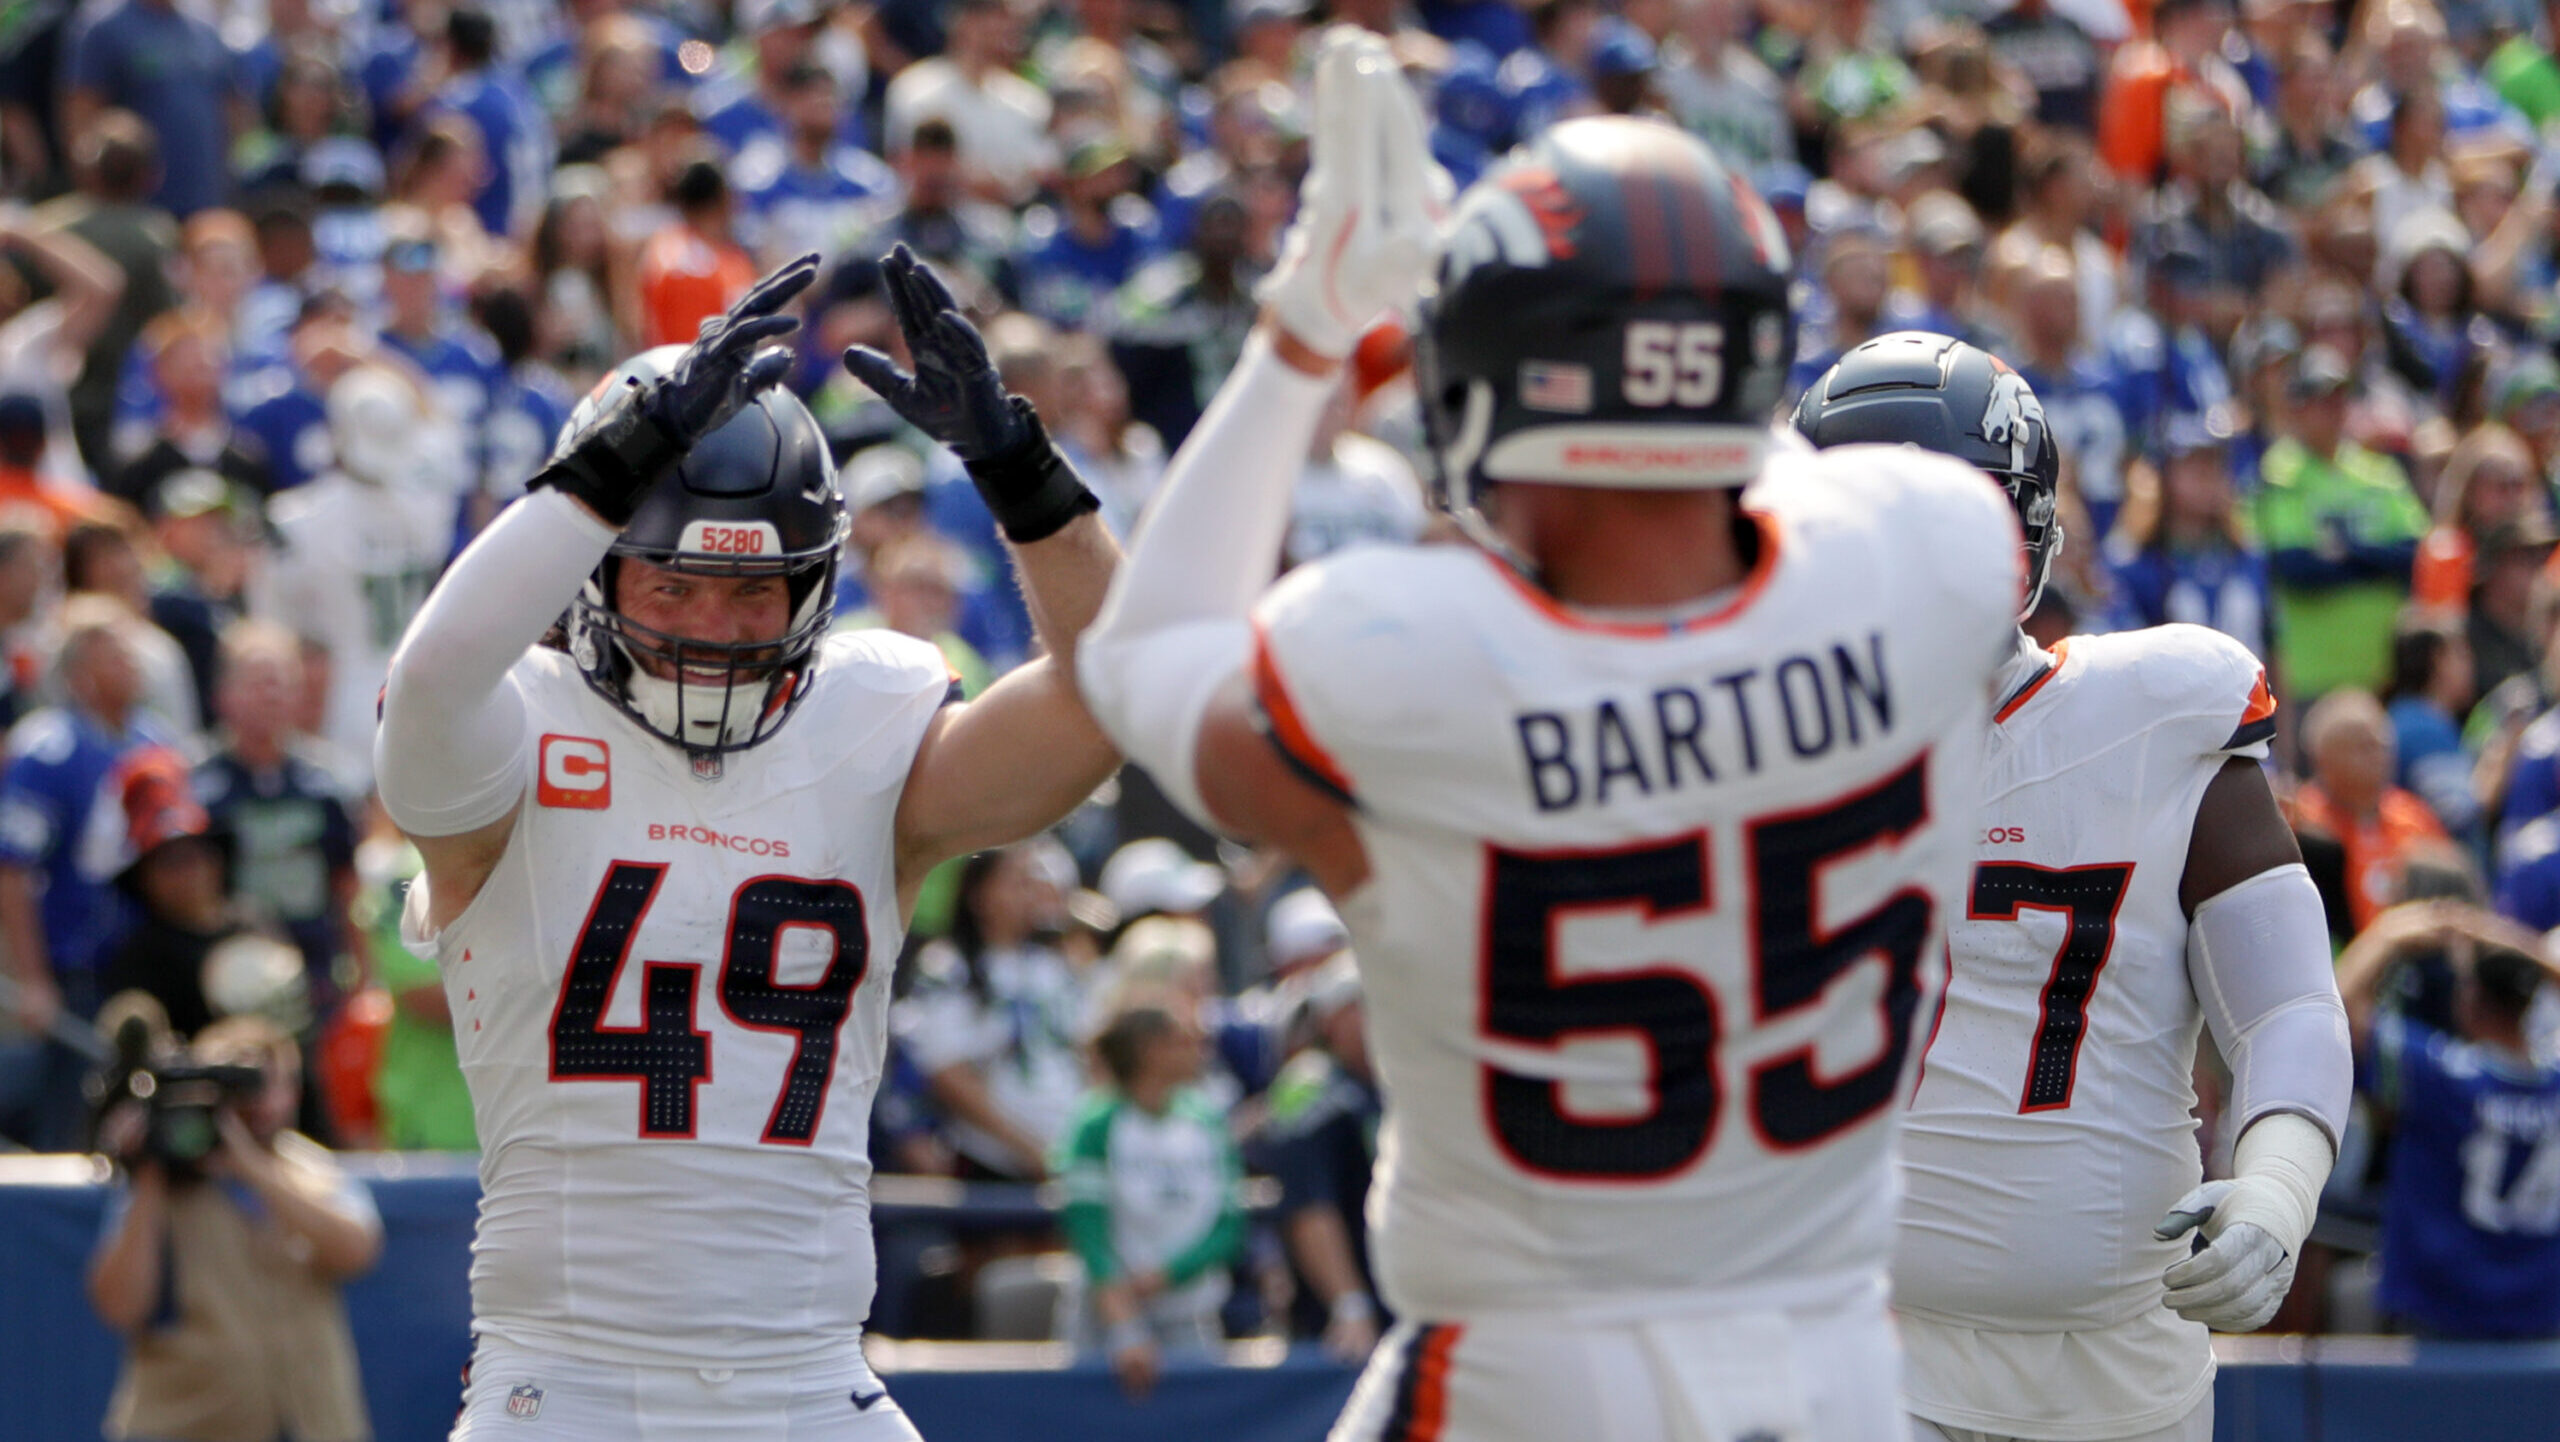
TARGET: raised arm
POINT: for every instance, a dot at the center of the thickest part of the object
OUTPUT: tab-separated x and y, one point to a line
1025	753
1164	667
451	758
81	274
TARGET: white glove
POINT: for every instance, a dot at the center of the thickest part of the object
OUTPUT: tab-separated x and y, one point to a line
1368	212
2236	1283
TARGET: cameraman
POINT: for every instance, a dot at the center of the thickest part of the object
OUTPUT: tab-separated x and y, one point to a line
225	1284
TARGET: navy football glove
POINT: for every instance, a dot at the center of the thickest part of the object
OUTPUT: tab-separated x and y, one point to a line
956	396
640	434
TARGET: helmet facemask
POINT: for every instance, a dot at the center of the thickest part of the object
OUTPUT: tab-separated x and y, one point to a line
758	683
755	497
2036	504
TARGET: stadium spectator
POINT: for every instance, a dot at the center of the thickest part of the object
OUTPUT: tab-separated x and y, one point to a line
2182	56
2312	146
1179	324
572	261
694	268
1319	1140
224	1278
2488	482
514	135
169	861
185	354
915	586
306	101
2471	1219
528	401
1354	490
104	559
992	1022
26	496
1153	1208
999	121
1119	457
357	549
618	81
2341	528
2081	390
45	341
1947	245
2350	799
1077	253
1719	90
292	840
117	164
2431	691
806	187
754	102
204	532
2499	621
59	922
172	70
458	362
966	238
2180	550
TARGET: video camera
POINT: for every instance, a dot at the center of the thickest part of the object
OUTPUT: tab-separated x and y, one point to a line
181	1092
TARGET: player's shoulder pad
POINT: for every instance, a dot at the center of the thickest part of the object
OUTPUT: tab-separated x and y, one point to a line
1367	644
2204	683
1938	520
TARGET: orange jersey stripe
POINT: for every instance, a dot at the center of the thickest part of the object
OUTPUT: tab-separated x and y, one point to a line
1431	1384
1288	728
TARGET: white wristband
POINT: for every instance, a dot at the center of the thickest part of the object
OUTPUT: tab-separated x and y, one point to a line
2286	1158
1354	1307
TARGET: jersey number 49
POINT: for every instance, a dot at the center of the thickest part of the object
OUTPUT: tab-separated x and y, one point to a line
667	1055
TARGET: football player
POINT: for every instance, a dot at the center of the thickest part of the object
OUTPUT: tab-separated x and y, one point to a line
669	859
2061	1256
1646	809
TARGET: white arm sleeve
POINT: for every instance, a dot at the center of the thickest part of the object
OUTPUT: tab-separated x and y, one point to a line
2258	957
1175	625
450	755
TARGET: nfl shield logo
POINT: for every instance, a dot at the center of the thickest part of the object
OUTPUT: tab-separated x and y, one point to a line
524	1401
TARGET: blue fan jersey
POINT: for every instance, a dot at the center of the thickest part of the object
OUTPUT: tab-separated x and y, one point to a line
2471	1222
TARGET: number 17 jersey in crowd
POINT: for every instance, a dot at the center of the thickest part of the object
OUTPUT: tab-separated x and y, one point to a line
670	999
2052	1124
1653	909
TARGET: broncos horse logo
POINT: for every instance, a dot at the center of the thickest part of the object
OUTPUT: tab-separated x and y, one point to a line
2013	417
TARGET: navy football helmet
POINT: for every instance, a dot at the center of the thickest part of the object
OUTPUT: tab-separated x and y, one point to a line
756	497
1935	392
1610	310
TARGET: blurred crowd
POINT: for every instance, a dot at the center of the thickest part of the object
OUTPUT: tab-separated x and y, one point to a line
298	293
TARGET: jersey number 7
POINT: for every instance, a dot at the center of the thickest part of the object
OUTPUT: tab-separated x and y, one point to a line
1794	963
2088	897
667	1055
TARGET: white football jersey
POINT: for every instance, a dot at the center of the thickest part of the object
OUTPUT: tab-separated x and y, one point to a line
671	1002
355	564
2052	1125
1653	909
